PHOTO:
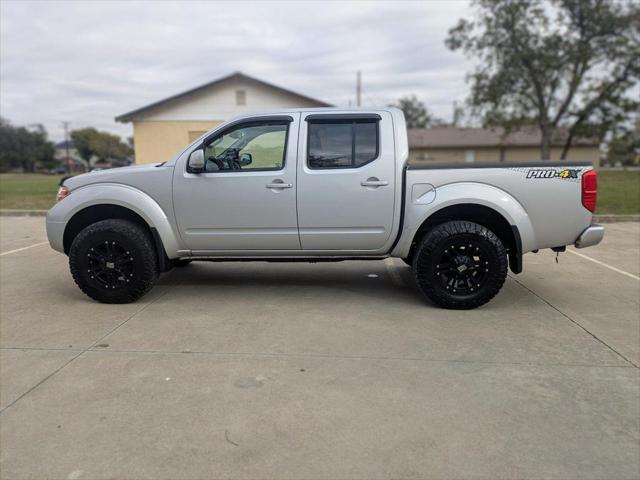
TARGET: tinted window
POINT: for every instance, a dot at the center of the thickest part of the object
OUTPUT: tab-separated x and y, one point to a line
342	144
330	145
256	146
366	142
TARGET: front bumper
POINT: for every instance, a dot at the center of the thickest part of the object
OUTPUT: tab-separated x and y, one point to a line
55	228
592	235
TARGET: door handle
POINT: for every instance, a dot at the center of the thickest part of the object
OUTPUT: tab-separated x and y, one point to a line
374	182
279	185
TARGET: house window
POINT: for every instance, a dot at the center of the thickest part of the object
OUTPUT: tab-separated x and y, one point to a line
241	97
342	144
470	156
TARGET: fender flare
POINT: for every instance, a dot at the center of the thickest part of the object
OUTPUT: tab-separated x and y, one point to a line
122	195
465	193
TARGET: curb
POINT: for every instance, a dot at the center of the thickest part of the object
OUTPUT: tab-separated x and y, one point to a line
23	213
604	218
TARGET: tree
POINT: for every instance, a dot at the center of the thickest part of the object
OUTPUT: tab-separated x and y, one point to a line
624	147
40	149
108	146
561	63
84	142
93	143
23	148
416	113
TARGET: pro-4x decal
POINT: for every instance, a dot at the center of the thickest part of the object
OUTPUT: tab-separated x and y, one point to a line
553	173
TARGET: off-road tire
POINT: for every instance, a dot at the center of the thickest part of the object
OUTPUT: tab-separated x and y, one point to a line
142	268
440	250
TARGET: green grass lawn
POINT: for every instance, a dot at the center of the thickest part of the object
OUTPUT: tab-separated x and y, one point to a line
618	191
27	191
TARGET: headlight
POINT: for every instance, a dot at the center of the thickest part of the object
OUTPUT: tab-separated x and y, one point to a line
62	193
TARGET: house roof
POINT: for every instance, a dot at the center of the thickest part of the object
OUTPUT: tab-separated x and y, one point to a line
454	137
126	117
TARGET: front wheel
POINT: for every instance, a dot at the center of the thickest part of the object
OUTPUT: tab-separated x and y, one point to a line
113	261
460	265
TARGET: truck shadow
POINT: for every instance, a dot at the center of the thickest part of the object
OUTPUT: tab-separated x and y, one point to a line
363	279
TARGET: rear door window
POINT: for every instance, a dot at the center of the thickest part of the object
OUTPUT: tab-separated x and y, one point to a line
345	143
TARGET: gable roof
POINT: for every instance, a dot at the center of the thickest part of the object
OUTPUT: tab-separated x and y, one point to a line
454	137
127	117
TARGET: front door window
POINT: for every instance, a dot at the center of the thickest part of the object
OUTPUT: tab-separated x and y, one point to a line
256	146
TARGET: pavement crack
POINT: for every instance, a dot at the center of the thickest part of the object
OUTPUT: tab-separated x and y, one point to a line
574	321
339	356
81	352
40	382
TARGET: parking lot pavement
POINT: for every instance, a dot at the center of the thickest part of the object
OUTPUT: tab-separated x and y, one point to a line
21	232
258	370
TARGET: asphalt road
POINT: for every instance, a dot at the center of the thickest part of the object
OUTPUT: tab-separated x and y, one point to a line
313	371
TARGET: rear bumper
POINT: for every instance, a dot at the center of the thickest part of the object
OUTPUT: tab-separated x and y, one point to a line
591	236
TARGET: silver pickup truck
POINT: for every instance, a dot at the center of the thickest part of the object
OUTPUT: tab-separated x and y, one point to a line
319	185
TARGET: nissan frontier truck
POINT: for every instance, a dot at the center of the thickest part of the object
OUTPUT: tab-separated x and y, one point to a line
320	185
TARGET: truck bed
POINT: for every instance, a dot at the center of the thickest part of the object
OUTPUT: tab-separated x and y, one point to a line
541	197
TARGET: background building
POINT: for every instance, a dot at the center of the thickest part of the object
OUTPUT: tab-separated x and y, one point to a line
69	159
164	127
451	144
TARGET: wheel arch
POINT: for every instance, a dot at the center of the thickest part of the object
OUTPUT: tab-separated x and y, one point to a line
94	203
105	211
483	215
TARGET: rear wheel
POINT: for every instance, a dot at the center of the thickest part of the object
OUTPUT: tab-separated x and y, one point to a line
460	265
113	261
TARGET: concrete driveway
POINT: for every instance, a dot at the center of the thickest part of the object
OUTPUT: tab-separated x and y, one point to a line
313	371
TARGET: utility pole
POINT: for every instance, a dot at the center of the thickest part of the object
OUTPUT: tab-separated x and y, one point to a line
66	145
359	88
455	118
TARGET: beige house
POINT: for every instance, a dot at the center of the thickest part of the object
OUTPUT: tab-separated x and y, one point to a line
451	144
164	127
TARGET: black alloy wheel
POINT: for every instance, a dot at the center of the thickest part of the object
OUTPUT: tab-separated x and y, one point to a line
110	265
114	261
460	265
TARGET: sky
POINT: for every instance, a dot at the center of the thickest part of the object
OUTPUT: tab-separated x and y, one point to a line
86	62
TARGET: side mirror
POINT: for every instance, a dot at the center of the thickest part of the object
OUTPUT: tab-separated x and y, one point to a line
195	164
246	159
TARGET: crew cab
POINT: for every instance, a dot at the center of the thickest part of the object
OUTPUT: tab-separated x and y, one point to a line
319	185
